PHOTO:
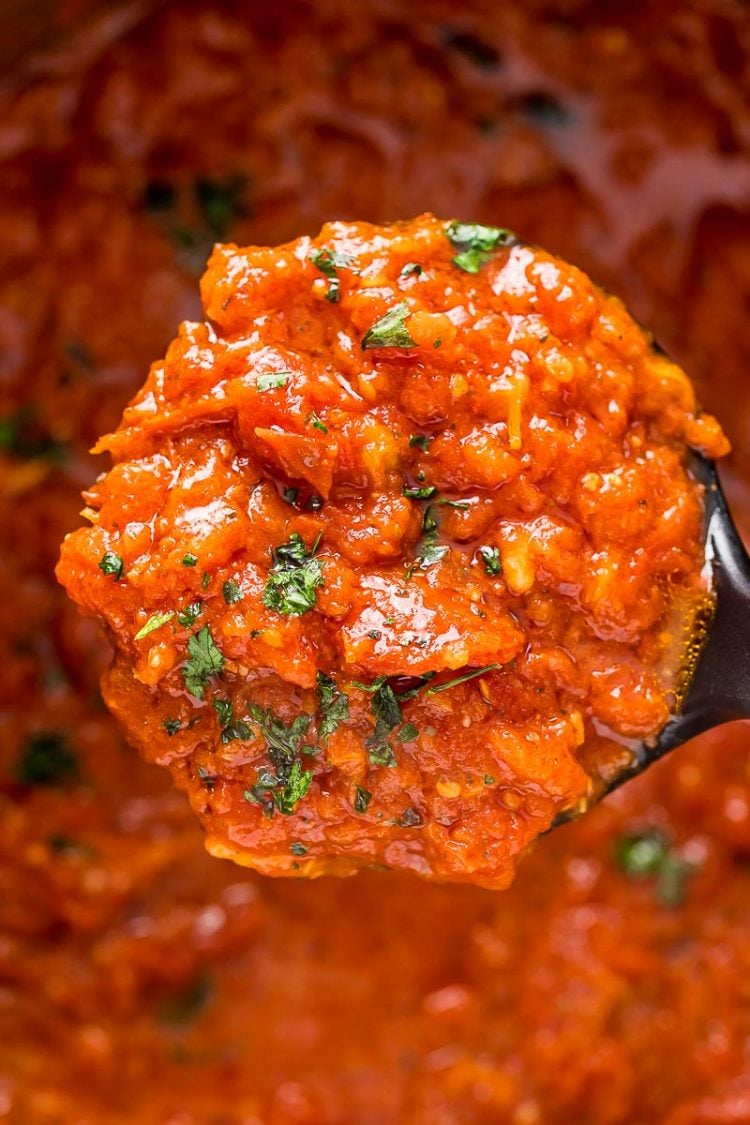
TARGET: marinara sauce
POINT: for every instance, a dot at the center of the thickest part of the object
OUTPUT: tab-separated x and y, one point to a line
141	979
399	541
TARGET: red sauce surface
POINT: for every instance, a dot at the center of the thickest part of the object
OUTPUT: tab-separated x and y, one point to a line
141	979
488	477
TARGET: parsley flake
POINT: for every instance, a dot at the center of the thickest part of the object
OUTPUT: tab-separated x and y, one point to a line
231	728
316	422
475	244
334	706
650	855
189	559
110	563
411	269
272	380
296	848
294	577
328	262
390	331
171	726
232	592
490	556
155	621
47	760
425	493
204	661
461	679
362	799
190	614
285	786
420	441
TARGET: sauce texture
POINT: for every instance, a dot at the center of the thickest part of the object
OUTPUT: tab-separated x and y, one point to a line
142	980
398	542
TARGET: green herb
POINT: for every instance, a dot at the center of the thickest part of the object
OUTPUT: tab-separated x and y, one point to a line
421	441
171	726
408	733
425	493
314	503
272	380
110	563
649	854
46	759
284	788
410	818
297	849
390	331
220	203
437	343
205	580
491	558
208	779
22	435
362	799
190	614
189	559
411	268
429	550
231	728
155	621
328	262
232	592
290	495
489	779
316	423
204	661
188	1003
294	577
462	679
334	706
475	244
387	713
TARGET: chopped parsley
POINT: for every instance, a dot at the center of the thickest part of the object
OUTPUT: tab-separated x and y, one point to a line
283	787
650	855
296	848
208	779
231	728
429	549
294	577
334	706
171	726
461	679
482	54
329	262
475	244
204	661
489	779
205	580
420	441
232	592
408	733
110	563
187	1004
155	621
386	710
189	559
362	798
46	759
490	556
390	331
316	422
409	270
220	202
290	495
425	493
272	380
190	614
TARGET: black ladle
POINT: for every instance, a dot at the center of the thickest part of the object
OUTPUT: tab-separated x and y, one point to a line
718	690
